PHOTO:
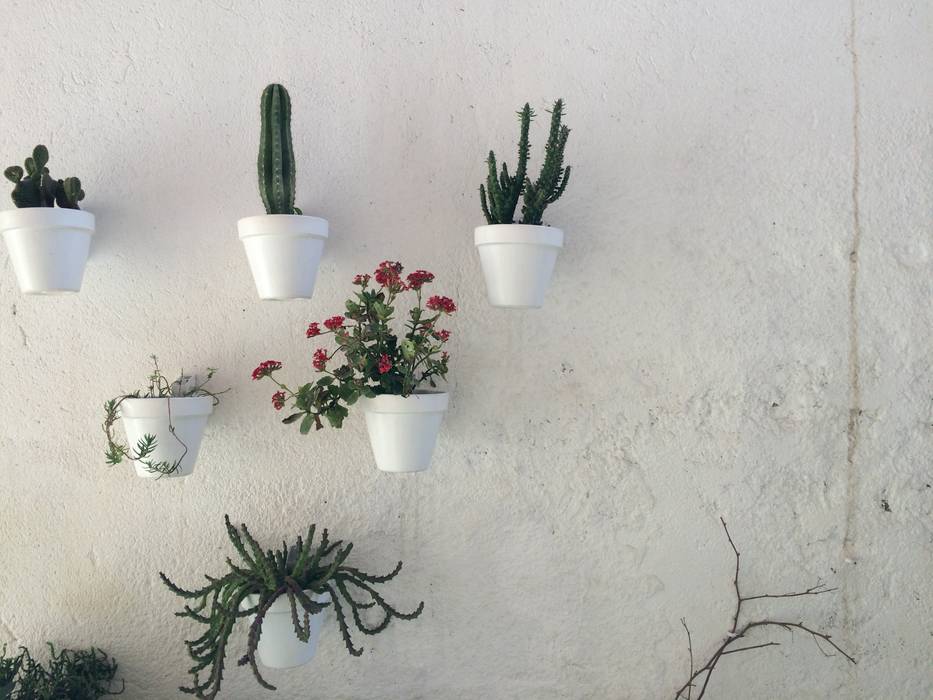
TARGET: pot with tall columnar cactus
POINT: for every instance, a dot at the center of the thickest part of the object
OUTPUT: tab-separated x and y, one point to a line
518	257
283	246
47	235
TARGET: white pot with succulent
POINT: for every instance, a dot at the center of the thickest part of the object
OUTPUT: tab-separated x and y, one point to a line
283	246
47	236
518	258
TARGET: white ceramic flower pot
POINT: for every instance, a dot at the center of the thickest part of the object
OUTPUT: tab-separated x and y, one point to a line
517	261
142	417
284	251
279	646
403	430
48	247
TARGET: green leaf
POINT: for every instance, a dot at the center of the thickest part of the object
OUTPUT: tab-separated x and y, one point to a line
307	424
335	415
408	349
382	311
368	392
292	418
325	381
343	373
14	173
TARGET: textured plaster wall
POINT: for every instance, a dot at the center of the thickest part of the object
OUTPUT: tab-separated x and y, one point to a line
740	324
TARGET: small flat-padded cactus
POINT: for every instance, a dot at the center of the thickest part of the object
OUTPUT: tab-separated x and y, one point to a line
500	194
276	157
34	187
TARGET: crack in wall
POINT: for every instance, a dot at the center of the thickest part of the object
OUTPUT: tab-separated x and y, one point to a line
854	376
855	389
22	331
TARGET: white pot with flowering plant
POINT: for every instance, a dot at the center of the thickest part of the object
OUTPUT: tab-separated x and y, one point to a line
392	376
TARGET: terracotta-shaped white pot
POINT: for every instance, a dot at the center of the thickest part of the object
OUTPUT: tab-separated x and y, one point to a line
518	261
189	415
284	251
403	430
279	646
48	247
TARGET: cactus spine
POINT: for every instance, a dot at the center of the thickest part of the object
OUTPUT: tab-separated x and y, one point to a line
500	194
34	187
276	157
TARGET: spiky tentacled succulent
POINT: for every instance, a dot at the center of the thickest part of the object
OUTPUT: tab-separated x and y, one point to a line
269	575
76	674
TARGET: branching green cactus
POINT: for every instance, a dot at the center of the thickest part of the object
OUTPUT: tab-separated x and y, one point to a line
500	196
501	192
553	179
271	574
276	156
34	187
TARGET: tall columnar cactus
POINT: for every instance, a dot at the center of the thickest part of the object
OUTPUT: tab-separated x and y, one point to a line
36	188
500	196
553	179
276	157
501	192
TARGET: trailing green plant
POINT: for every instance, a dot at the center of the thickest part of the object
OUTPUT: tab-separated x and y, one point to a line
159	387
376	360
292	572
71	674
500	194
35	187
276	155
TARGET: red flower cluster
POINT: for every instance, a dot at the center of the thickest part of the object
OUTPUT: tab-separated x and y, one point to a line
385	364
388	274
361	280
418	278
278	400
313	330
333	323
320	359
445	304
442	336
266	368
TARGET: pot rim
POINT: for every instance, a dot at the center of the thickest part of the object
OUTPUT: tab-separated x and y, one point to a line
282	226
154	406
47	217
281	606
522	234
419	402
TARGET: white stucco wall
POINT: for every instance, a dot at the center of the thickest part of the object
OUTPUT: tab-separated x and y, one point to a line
748	264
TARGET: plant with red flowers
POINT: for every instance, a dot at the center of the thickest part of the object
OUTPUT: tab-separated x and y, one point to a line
373	359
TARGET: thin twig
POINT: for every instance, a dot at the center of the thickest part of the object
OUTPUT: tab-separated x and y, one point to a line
683	621
737	632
